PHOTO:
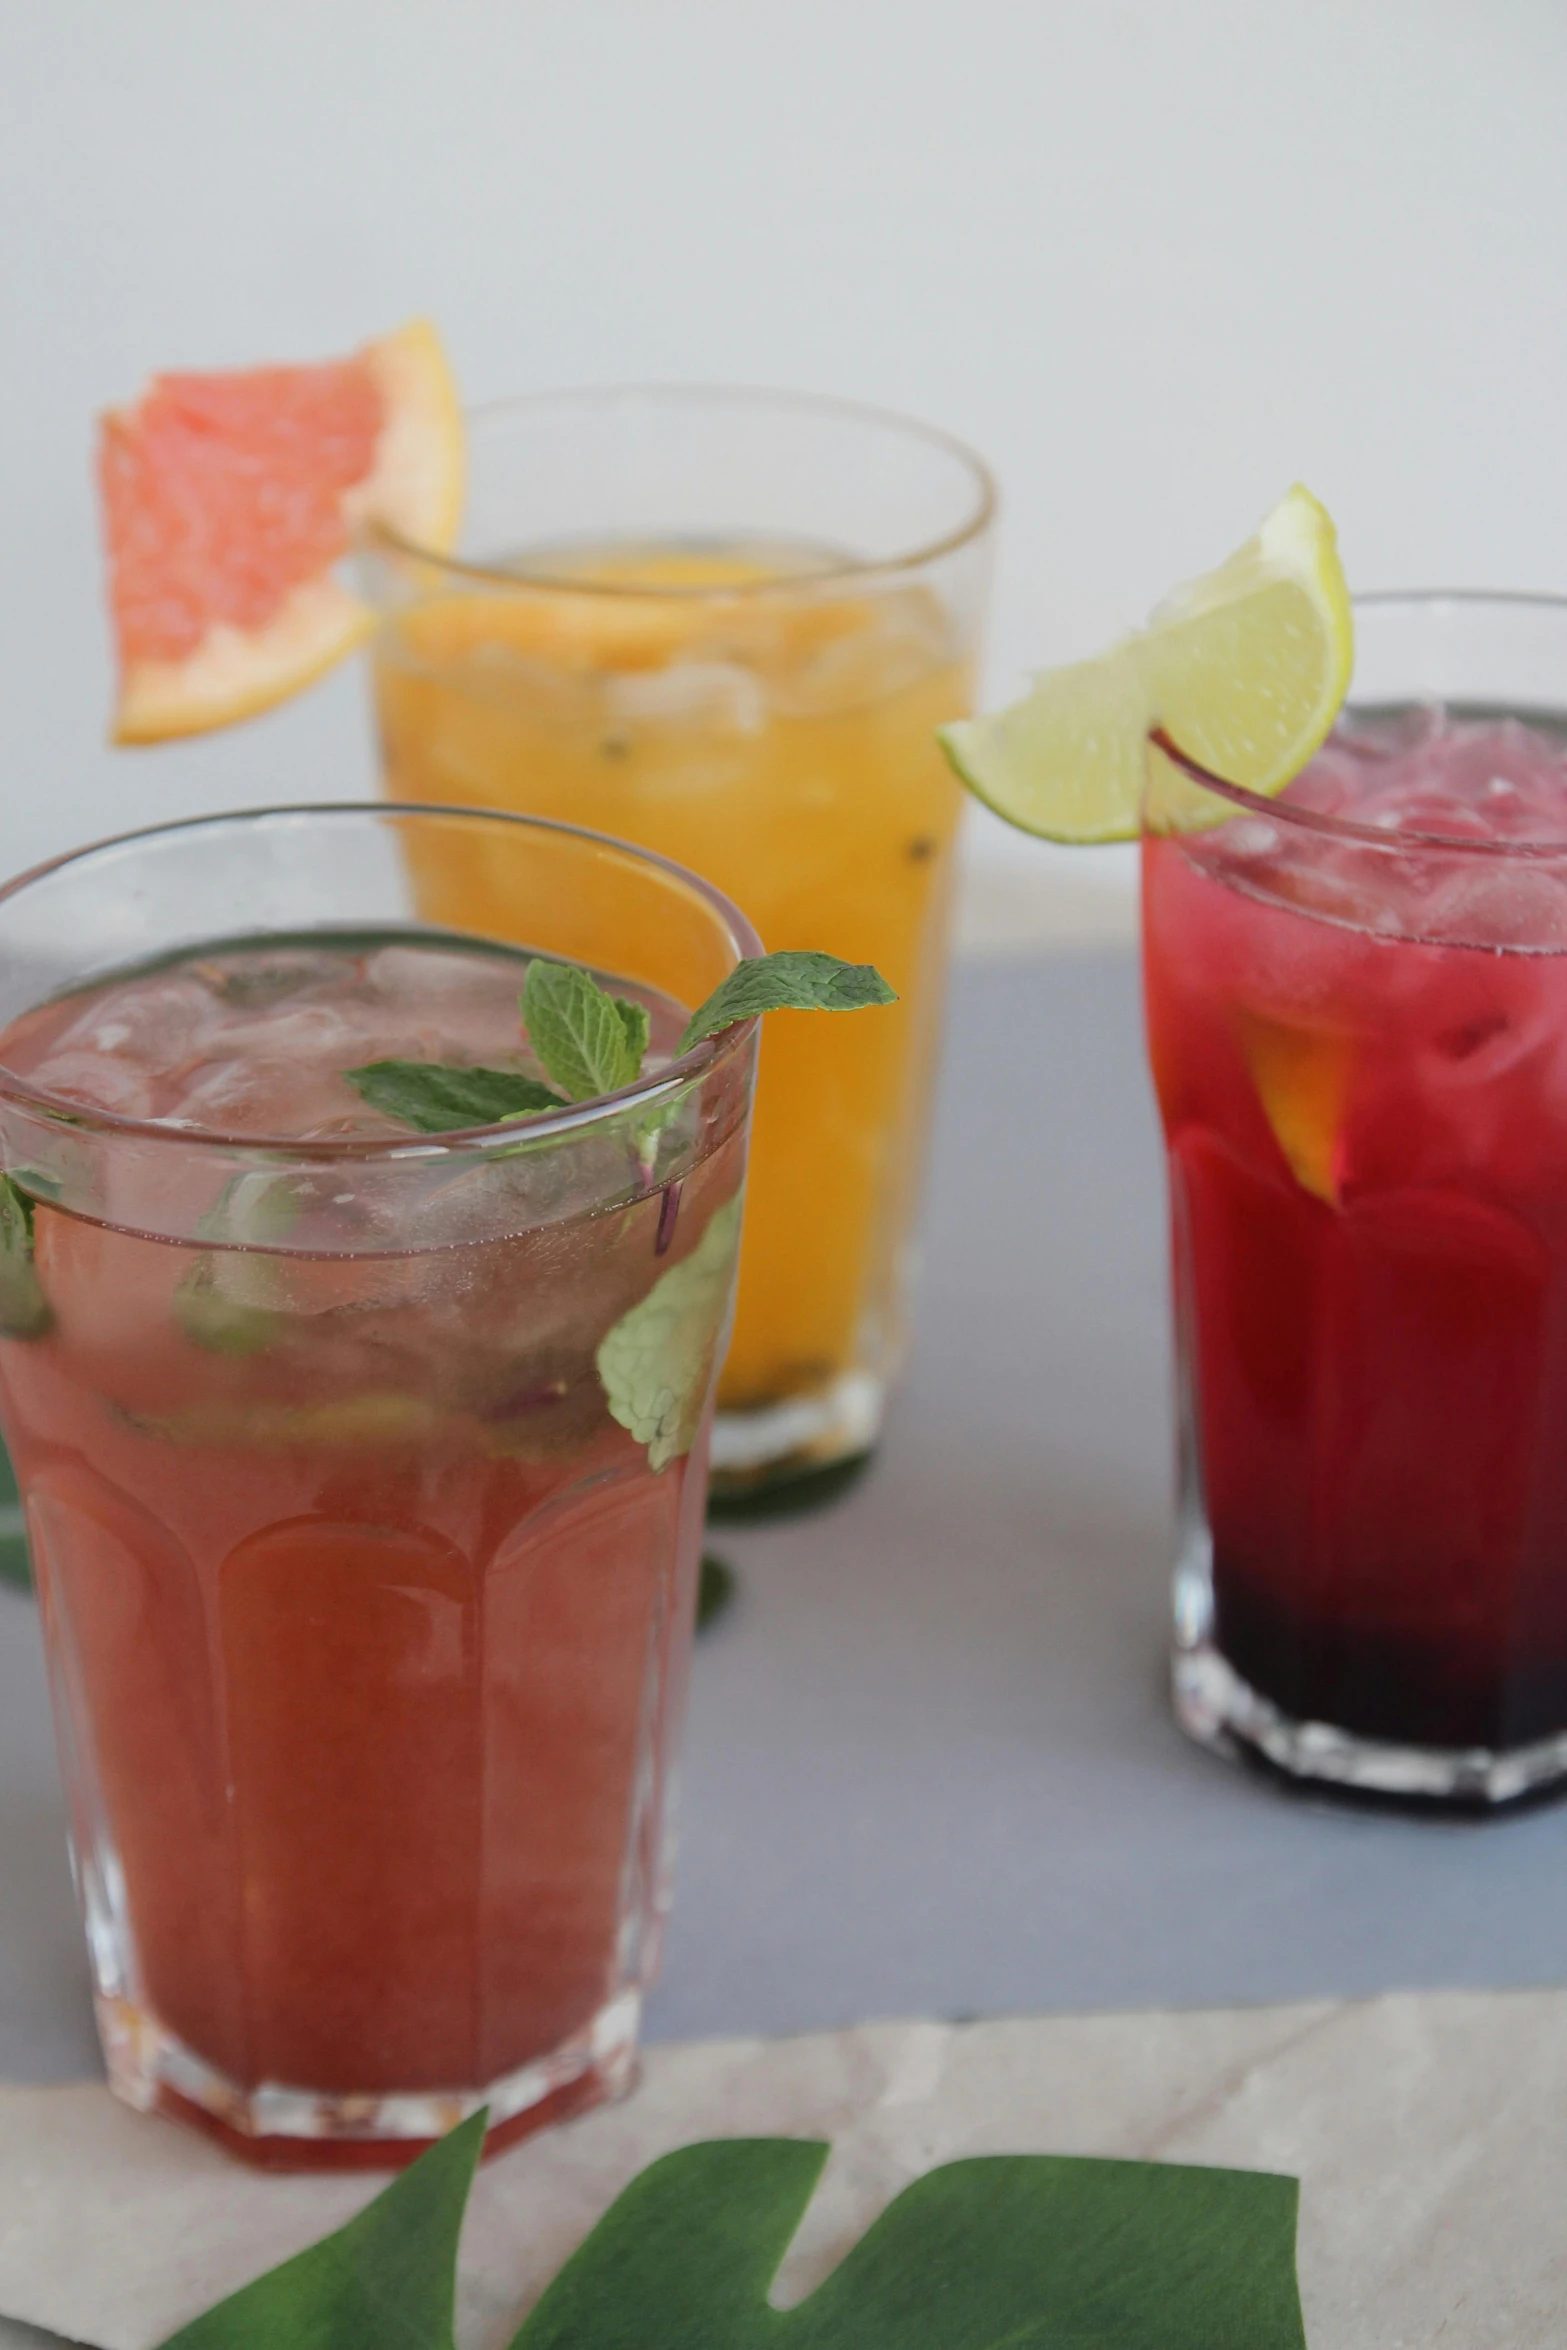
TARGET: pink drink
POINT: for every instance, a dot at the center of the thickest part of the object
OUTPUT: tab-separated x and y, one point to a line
1358	1031
365	1473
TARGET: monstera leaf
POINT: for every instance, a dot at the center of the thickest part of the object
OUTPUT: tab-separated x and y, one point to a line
1003	2252
385	2282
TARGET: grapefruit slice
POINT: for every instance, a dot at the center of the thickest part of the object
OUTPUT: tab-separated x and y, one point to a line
228	500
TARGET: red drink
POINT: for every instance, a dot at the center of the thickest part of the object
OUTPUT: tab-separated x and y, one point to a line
368	1571
1357	1013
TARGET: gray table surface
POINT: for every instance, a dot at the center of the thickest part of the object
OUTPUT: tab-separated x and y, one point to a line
930	1766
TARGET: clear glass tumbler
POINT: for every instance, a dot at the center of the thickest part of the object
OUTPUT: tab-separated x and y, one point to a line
726	624
1357	1019
365	1473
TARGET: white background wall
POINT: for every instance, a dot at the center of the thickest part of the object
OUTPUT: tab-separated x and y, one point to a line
1155	257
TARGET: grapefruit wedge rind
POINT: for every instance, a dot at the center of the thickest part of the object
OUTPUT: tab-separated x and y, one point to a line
236	673
228	502
416	484
1245	668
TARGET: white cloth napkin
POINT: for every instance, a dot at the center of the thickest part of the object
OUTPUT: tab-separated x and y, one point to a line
1429	2133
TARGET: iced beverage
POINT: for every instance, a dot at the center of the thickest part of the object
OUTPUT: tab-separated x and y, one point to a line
1357	1017
365	1475
761	707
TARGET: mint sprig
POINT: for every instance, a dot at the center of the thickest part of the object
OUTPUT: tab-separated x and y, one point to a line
793	980
439	1099
589	1042
1001	2252
656	1364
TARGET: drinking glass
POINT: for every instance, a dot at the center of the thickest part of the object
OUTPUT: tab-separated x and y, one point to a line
365	1479
1359	1041
726	624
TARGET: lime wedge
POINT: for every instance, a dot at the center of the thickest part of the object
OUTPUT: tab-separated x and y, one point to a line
1246	670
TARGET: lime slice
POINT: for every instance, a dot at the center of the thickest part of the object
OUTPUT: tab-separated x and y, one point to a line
1246	670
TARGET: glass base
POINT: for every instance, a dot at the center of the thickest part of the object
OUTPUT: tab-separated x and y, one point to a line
279	2128
1220	1710
782	1444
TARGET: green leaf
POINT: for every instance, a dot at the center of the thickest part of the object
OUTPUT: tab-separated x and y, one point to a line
1002	2252
634	1020
1007	2252
795	980
213	1318
15	1565
440	1099
252	1210
385	2282
588	1042
657	1361
25	1312
38	1184
226	1303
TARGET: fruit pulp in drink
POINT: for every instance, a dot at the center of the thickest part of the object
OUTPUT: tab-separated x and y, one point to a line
366	1616
758	715
1360	1052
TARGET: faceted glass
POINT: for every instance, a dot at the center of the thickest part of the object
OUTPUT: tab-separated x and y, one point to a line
1357	1019
726	625
364	1468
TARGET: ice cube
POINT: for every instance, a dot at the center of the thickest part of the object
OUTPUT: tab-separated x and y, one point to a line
303	1032
1252	836
265	976
258	1096
158	1024
98	1080
702	694
874	651
1342	887
414	975
1498	902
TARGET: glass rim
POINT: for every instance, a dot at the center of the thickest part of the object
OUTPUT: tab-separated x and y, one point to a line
574	1118
1345	828
985	499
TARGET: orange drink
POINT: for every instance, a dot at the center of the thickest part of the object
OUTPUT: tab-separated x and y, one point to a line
725	627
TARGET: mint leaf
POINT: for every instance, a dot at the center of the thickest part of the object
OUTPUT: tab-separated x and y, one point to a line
227	1302
1008	2252
252	1210
795	980
385	2282
590	1043
439	1099
15	1566
213	1317
25	1312
655	1365
586	1041
634	1020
